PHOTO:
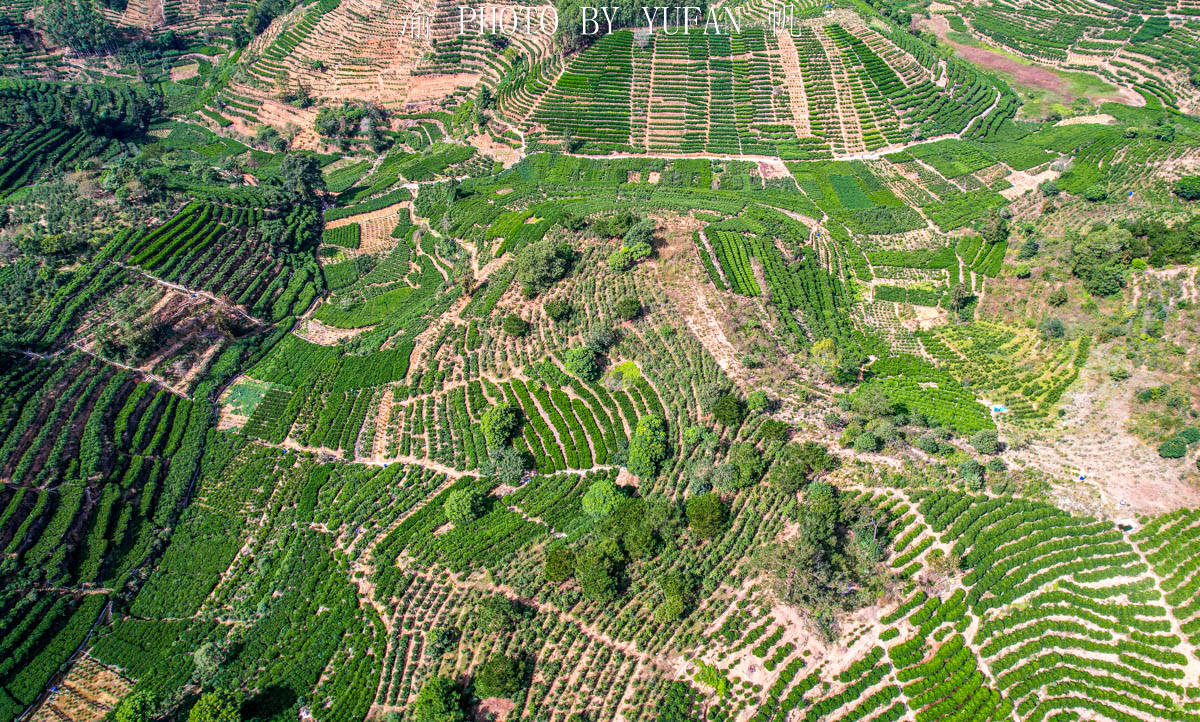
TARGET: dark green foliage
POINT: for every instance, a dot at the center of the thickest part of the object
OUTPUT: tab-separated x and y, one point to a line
500	676
748	464
514	325
540	264
628	308
729	410
706	515
438	701
560	564
216	707
583	361
598	569
648	446
797	463
986	441
496	613
464	506
1187	187
971	472
498	424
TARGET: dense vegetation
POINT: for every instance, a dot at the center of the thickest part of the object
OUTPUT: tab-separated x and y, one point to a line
740	376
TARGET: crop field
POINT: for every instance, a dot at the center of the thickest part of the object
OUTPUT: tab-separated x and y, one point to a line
353	367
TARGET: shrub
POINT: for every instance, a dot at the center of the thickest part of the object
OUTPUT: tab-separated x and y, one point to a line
758	401
1057	297
514	325
1173	448
706	515
729	410
971	472
500	676
629	308
1029	249
464	506
558	309
986	441
747	463
560	564
1052	328
1188	187
866	442
1095	193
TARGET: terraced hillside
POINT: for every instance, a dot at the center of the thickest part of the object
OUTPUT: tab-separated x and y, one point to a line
347	373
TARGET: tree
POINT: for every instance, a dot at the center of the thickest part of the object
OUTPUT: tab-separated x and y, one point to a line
558	309
647	446
500	676
438	701
1188	187
464	506
498	424
1095	193
207	660
797	463
1052	328
866	442
758	401
79	25
729	410
601	498
986	441
540	264
706	515
136	707
1100	257
971	472
960	296
748	463
598	570
560	564
439	640
583	361
629	308
514	325
1057	297
506	464
676	595
1029	249
219	706
301	174
497	613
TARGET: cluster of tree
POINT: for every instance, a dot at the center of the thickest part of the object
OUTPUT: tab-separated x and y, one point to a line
1164	244
1100	258
79	25
116	111
541	264
353	120
635	246
627	528
260	14
833	564
504	463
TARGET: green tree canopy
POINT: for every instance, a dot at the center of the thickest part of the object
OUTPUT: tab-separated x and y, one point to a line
706	515
438	701
219	706
498	424
648	446
601	498
500	676
464	506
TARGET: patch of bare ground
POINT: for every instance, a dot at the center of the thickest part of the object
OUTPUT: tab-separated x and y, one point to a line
313	331
1091	450
494	708
1024	181
183	72
1097	119
486	145
88	693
